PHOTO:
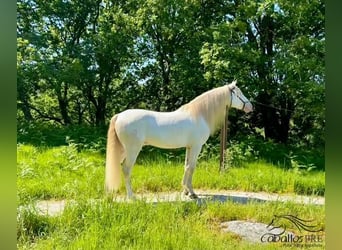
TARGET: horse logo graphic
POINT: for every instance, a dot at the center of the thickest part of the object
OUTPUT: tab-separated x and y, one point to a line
299	223
277	229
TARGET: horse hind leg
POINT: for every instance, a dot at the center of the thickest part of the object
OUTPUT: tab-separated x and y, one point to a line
127	166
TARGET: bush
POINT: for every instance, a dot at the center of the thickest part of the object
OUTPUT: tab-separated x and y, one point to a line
238	154
250	148
51	135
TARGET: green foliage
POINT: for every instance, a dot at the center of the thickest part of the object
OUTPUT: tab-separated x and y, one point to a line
239	153
49	135
210	150
79	63
57	172
246	149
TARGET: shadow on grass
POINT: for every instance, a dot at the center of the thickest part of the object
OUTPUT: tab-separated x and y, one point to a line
56	207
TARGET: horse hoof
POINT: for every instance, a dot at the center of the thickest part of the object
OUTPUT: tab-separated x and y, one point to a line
185	192
193	196
131	198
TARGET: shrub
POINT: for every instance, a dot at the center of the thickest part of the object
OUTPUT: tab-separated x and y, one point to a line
237	154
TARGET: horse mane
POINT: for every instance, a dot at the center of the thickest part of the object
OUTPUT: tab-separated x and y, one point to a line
210	105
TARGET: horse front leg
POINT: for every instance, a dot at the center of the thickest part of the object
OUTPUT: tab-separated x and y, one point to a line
189	168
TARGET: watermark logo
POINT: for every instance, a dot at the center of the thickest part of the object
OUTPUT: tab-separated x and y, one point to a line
311	233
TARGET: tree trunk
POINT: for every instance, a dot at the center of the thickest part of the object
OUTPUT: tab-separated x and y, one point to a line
80	112
100	113
25	107
268	116
275	119
63	106
62	96
286	110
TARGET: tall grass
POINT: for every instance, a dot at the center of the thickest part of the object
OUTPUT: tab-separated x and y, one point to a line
68	163
75	171
108	225
67	172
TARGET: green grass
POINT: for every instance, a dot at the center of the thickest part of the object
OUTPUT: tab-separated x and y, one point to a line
65	172
139	225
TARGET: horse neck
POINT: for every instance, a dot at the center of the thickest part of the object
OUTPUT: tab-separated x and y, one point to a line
211	106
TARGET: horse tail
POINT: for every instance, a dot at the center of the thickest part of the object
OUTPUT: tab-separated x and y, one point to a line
114	156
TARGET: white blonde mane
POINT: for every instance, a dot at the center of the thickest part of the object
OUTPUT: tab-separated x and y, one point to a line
210	105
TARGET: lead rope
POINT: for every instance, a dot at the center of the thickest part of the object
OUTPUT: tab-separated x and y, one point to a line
269	106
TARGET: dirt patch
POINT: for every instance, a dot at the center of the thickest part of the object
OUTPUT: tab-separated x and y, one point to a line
51	207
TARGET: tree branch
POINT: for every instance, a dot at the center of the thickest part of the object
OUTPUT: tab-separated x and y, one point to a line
46	116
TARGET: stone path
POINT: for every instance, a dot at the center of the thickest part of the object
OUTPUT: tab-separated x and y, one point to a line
56	207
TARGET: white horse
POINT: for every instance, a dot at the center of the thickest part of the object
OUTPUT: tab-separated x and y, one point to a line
189	127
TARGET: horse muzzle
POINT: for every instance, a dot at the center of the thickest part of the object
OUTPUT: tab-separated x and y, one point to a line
248	107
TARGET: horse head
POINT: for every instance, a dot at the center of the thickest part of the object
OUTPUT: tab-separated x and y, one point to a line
238	100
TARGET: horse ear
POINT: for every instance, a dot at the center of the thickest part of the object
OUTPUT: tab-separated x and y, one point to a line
232	85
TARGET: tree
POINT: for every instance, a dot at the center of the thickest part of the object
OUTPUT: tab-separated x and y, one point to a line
265	41
107	55
82	61
170	41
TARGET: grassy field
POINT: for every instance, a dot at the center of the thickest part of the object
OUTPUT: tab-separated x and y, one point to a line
65	172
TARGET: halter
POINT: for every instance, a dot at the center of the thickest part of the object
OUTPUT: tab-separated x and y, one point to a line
231	98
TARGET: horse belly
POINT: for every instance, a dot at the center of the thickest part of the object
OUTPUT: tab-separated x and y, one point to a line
168	136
